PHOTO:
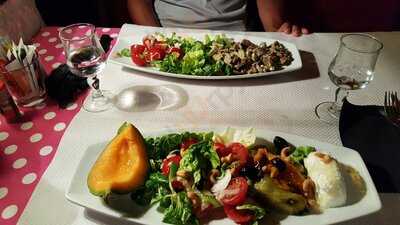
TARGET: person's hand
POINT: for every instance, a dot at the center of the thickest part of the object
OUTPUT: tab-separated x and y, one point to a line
292	29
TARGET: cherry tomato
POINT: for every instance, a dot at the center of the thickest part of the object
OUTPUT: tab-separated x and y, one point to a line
238	216
188	142
176	51
167	163
137	49
203	211
221	149
235	193
156	53
148	42
240	153
161	45
146	55
138	59
178	186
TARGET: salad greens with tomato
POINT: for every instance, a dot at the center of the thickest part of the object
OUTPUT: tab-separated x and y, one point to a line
192	176
218	55
189	177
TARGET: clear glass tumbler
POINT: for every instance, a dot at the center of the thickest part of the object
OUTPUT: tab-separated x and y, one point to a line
26	85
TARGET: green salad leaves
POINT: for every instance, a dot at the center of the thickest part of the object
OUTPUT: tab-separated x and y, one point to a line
300	153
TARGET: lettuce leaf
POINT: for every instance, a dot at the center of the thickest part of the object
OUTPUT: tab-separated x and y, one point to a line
246	137
300	153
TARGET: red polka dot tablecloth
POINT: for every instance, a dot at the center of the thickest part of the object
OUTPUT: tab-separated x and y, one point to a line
27	148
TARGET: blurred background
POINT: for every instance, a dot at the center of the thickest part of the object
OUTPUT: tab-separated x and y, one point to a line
319	15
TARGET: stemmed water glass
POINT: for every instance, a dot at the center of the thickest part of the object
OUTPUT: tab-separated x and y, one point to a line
86	58
352	68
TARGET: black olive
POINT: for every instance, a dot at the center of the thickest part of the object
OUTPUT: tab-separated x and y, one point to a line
280	143
252	172
279	164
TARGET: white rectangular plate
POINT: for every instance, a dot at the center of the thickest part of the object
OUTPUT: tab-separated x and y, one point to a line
78	192
140	32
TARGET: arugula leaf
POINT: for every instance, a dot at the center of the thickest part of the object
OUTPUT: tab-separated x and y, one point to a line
300	153
258	212
155	188
124	53
207	198
200	158
180	211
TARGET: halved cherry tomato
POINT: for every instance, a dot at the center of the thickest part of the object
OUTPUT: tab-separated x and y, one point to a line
238	216
146	55
176	51
137	49
167	163
178	186
161	45
138	59
188	142
156	53
203	211
148	42
240	153
221	149
235	193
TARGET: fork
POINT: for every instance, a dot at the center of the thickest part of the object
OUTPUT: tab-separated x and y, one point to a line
392	107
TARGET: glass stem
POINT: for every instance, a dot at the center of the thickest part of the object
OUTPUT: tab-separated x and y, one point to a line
340	95
96	87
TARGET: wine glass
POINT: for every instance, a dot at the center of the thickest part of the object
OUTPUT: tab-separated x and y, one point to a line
86	58
352	68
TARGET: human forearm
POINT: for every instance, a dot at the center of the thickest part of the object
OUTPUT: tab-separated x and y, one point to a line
141	12
271	14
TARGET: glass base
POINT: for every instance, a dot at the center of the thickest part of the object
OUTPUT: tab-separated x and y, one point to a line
98	104
328	112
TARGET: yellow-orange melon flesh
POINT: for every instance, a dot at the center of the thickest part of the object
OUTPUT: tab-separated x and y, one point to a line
122	166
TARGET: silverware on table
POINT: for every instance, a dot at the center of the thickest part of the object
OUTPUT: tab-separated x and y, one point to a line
392	107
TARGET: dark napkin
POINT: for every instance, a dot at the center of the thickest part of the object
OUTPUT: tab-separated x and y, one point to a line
365	129
63	86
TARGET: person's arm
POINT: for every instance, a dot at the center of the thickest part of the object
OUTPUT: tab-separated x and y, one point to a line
271	15
142	13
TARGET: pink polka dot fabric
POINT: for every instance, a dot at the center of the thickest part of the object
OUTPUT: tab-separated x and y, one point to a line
27	148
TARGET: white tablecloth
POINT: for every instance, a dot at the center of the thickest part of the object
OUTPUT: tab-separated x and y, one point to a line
283	103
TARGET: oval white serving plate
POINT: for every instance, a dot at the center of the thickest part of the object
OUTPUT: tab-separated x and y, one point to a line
79	194
126	42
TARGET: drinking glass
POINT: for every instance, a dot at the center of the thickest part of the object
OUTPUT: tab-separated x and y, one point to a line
86	58
352	68
26	84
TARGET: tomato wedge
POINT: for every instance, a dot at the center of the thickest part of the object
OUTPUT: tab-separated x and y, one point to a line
161	45
188	142
156	53
138	59
221	149
235	193
137	49
176	51
240	153
238	216
165	166
148	42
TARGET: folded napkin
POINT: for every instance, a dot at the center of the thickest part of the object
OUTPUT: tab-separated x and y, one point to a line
365	129
63	86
